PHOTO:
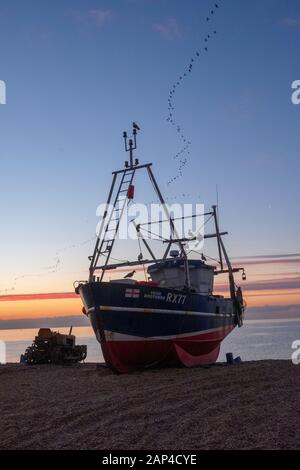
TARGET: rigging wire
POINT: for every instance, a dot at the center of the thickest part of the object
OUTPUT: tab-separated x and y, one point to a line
199	230
141	256
152	233
204	254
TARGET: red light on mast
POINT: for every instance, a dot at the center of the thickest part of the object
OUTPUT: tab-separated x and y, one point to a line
130	192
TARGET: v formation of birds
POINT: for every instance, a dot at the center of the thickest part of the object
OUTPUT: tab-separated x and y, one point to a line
183	154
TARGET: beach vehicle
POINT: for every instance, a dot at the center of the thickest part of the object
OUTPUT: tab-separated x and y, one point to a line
172	316
53	347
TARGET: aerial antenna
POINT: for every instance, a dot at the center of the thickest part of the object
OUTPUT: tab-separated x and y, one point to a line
130	146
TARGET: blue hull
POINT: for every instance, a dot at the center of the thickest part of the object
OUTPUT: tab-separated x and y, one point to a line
137	324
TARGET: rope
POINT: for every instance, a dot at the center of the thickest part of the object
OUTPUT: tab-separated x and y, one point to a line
141	253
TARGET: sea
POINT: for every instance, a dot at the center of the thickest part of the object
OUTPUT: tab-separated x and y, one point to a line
256	340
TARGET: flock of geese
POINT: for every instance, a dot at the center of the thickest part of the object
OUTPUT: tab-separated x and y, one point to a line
183	154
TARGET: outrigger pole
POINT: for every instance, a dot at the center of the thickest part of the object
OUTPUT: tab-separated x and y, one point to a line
214	208
222	252
236	295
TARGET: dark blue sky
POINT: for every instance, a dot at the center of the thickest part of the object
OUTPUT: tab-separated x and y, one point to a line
78	72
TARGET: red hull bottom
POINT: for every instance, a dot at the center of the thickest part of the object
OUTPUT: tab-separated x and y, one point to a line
125	356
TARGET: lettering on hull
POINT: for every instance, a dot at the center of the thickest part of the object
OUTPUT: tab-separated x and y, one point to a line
176	298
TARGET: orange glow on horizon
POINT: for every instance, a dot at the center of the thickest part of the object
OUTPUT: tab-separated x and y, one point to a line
271	297
266	286
21	309
69	304
49	296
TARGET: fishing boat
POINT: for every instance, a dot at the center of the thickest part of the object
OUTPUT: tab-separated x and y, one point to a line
173	316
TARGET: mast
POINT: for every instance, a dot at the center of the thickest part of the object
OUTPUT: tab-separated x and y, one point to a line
234	294
119	199
214	208
120	193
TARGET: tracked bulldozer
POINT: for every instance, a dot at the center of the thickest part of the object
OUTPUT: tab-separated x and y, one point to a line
51	347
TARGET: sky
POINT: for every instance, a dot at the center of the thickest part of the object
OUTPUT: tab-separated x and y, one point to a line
77	73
